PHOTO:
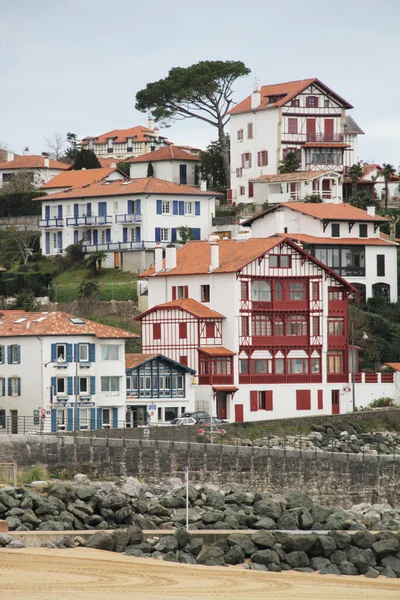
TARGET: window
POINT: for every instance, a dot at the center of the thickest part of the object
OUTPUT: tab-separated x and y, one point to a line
221	366
261	325
2	392
315	325
210	330
15	386
278	292
182	291
363	230
109	384
84	418
242	190
106	414
296	325
115	207
336	327
61	352
110	352
54	238
282	261
156	331
83	352
166	207
239	172
265	400
380	265
205	293
15	354
296	291
336	361
312	102
326	103
292	125
164	235
335	230
262	158
261	291
246	160
297	365
244	290
251	189
295	102
188	208
243	365
83	385
61	388
182	330
315	365
335	295
240	135
279	366
261	366
278	326
303	399
347	261
245	326
324	156
315	290
250	131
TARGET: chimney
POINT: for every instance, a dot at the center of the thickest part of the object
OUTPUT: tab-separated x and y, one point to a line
150	123
371	211
256	96
203	185
156	131
26	150
158	258
10	156
214	256
46	163
170	257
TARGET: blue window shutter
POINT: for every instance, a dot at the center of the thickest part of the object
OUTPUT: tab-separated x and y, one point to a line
197	208
181	207
99	418
89	209
92	384
76	210
76	353
108	236
137	234
18	354
124	234
53	420
59	240
173	234
138	207
95	237
9	386
60	211
196	233
3	386
158	234
115	417
9	354
69	352
78	424
92	418
53	352
2	355
159	207
70	418
76	385
76	237
54	385
130	207
175	207
92	353
18	386
47	212
70	392
47	238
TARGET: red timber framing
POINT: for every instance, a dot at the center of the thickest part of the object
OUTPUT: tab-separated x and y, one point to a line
215	369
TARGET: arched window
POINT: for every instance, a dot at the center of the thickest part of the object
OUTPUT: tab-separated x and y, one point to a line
261	291
362	291
278	291
381	290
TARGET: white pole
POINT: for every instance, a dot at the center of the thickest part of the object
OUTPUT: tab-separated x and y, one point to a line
187	497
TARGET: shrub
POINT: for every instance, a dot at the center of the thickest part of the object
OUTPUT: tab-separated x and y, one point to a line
35	473
381	402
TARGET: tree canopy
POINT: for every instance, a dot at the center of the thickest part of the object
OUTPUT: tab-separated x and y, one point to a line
289	164
355	173
212	167
86	159
202	91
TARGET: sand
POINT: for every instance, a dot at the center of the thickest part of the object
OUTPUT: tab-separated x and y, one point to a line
84	574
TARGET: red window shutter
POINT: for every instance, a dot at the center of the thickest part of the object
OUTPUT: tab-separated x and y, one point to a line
292	125
258	159
210	330
245	325
266	157
316	101
251	189
253	401
186	291
328	126
303	399
229	194
183	360
269	400
157	331
249	160
242	157
183	330
174	292
311	127
320	399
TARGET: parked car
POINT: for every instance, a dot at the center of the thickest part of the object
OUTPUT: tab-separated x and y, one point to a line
211	420
200	414
184	421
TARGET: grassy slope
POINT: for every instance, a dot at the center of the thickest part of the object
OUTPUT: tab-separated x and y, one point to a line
113	284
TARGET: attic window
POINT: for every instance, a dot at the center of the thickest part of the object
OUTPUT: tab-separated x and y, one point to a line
21	320
76	321
272	99
39	320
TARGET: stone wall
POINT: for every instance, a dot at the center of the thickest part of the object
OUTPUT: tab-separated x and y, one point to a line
328	477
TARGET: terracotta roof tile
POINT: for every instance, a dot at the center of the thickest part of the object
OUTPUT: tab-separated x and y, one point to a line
349	241
285	92
78	178
138	133
166	153
188	305
30	161
216	351
55	323
133	360
296	176
108	162
394	365
140	185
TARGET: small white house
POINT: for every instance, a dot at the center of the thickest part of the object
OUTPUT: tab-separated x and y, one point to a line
39	169
70	179
60	372
171	163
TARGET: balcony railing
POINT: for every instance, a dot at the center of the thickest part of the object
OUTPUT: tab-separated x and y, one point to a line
128	218
324	137
121	246
216	379
84	221
280	378
54	222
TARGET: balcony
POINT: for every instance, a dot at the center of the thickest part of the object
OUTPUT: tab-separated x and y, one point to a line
85	221
216	379
324	137
128	218
120	246
55	222
281	340
280	378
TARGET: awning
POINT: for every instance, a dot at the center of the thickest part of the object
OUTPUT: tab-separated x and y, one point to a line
215	351
225	388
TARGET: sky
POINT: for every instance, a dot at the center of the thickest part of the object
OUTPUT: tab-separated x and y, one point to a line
76	65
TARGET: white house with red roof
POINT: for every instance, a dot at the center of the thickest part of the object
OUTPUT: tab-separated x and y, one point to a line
126	143
305	117
40	169
70	370
343	237
373	173
70	179
172	163
124	216
264	324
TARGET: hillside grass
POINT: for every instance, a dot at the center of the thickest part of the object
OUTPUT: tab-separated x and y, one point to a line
113	284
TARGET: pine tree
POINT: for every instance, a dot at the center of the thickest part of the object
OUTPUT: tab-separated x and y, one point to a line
290	164
86	159
150	170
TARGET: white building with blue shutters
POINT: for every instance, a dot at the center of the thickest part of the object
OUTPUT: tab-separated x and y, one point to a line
59	372
123	216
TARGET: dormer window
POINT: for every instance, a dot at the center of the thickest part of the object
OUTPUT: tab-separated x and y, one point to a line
312	101
335	230
295	102
363	230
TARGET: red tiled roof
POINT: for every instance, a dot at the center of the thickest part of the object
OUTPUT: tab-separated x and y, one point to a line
285	92
140	185
167	153
216	351
138	133
349	241
296	176
367	169
225	388
78	178
188	305
337	212
108	162
133	360
30	161
55	323
394	365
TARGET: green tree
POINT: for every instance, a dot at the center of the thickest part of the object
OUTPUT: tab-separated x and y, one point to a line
25	300
362	200
73	147
290	164
88	290
124	167
150	170
312	199
393	214
355	173
387	172
185	234
95	260
212	166
202	91
75	253
86	159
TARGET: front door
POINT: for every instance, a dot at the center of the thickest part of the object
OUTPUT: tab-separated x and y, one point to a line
335	402
14	421
221	405
183	174
239	418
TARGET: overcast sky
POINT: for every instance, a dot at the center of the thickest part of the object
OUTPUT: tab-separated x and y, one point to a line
76	65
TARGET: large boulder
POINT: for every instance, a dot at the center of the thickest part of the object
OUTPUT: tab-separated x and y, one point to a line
385	547
84	492
186	558
243	542
5	539
13	523
8	500
182	537
132	487
306	520
263	523
167	543
296	499
101	540
235	556
121	539
321	513
297	559
212	556
158	510
330	569
393	563
319	562
267	508
289	520
240	498
263	539
346	568
363	539
265	557
214	500
194	546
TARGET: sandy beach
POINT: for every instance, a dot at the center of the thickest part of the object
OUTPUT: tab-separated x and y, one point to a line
84	574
